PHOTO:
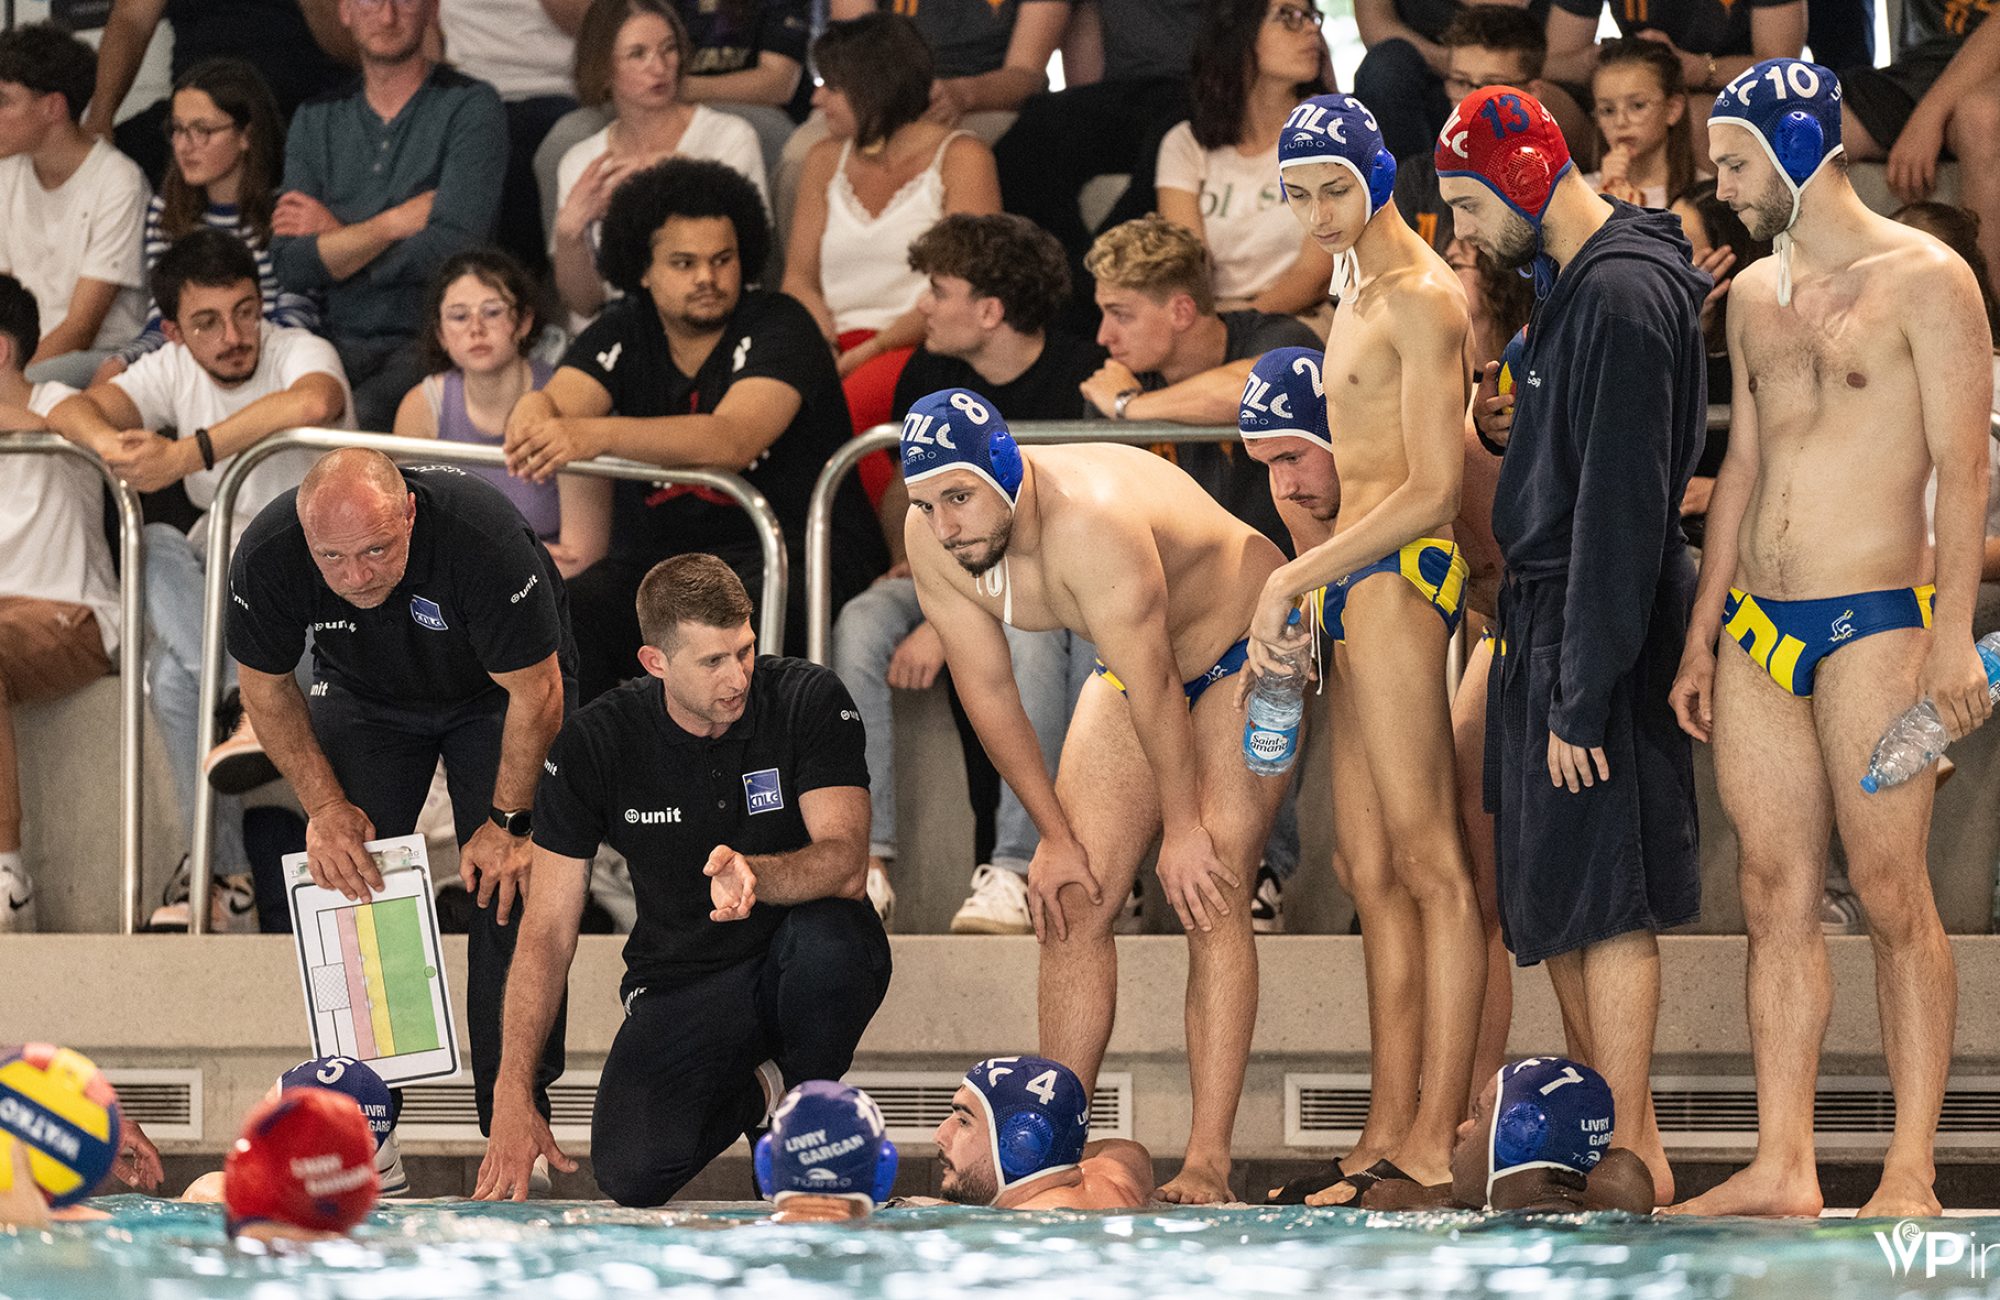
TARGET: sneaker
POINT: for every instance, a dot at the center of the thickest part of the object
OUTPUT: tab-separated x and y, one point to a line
239	764
1267	903
17	901
232	903
998	905
881	894
389	1168
1840	912
1132	917
539	1183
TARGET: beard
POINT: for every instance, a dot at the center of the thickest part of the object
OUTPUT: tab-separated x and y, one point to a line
1767	216
968	1190
1514	243
996	550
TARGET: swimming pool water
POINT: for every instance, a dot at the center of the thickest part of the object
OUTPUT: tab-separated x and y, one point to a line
157	1250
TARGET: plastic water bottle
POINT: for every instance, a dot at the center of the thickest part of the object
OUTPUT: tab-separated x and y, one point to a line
1914	741
1277	703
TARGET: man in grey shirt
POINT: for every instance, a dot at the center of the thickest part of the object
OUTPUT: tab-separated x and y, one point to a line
382	184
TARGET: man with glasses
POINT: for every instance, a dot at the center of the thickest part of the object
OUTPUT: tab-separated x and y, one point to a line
226	380
381	186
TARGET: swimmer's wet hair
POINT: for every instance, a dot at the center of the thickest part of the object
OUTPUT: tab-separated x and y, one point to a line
693	588
1153	256
1001	256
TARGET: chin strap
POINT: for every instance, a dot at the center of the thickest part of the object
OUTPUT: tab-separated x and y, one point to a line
1782	246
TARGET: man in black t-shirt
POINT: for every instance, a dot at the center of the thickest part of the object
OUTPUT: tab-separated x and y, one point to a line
1173	358
439	629
737	789
690	368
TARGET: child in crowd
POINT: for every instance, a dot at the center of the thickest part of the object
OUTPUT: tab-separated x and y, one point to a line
1645	139
227	157
483	323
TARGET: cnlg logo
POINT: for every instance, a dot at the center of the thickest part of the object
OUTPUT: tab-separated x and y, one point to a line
1904	1244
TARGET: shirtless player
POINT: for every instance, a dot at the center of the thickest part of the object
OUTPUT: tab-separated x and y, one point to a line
1861	362
1387	580
1125	550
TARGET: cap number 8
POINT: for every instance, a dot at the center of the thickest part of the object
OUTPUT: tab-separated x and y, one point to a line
969	404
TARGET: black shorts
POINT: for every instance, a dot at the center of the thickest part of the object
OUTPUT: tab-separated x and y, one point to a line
1884	98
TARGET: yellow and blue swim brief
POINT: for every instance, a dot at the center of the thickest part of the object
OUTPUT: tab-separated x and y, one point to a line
1229	665
1436	568
1788	638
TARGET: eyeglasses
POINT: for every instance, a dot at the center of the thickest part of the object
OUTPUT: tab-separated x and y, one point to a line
665	50
198	132
1294	18
1610	112
383	4
1458	86
245	316
492	314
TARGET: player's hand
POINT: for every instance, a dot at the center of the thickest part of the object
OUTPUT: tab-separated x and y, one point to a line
1191	875
1693	693
1101	389
138	1162
519	1135
297	213
1054	868
537	448
732	885
496	863
1574	766
1954	679
21	1202
1911	168
1492	410
1276	647
590	197
917	660
334	856
151	463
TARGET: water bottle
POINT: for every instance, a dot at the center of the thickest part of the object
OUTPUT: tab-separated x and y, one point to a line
1277	703
1914	741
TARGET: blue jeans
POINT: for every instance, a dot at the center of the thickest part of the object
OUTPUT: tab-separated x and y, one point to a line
1049	670
174	578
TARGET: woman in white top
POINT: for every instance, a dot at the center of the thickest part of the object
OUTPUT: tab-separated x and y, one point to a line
1218	171
629	53
883	177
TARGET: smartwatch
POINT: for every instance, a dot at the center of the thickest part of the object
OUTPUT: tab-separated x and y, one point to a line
516	823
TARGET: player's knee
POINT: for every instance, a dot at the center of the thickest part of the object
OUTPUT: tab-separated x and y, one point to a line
1974	121
839	939
1895	898
1772	899
635	1184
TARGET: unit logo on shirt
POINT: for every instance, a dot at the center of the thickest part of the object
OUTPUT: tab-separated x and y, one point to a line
763	792
427	614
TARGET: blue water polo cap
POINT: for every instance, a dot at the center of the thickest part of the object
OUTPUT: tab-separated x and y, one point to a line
1339	128
1036	1113
956	428
1793	108
826	1139
1549	1113
352	1078
1285	397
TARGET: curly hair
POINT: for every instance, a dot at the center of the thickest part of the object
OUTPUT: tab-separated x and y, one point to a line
49	61
881	63
597	43
1225	63
679	187
1001	256
498	271
210	258
240	91
1155	257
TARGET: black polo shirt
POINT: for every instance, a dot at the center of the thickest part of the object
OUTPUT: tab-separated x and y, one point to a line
480	596
769	336
626	774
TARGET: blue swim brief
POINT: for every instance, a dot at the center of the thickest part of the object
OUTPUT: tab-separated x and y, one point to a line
1436	568
1229	665
1788	638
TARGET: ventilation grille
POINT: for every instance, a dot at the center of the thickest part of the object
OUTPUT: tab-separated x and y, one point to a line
166	1102
448	1112
1327	1110
914	1103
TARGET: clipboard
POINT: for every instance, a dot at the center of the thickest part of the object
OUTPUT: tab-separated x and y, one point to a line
373	971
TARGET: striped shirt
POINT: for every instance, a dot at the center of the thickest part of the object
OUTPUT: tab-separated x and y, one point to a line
281	306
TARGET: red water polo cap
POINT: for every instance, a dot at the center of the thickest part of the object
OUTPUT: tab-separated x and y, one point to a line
306	1159
1504	138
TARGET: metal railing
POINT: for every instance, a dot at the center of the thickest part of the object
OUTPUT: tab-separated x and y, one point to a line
131	660
771	631
887	437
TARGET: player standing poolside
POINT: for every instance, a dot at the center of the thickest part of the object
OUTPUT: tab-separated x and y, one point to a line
1862	364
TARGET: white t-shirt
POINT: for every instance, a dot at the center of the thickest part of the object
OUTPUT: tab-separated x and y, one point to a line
512	45
92	226
170	387
52	543
1252	236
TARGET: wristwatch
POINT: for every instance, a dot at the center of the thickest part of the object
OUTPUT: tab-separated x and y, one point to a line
1123	400
517	823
